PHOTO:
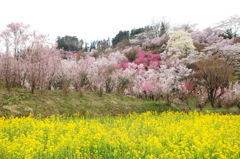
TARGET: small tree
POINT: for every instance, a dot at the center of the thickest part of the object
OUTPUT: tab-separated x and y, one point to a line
15	37
80	74
41	63
230	27
181	40
122	36
8	71
213	74
69	43
206	38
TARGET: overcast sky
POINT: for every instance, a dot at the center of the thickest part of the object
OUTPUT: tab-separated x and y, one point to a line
97	19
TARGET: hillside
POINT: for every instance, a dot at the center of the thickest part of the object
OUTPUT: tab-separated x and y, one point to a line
46	103
21	103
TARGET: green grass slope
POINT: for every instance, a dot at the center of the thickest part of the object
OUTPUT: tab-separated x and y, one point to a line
46	103
21	102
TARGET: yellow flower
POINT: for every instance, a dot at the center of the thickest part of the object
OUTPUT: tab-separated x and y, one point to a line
148	135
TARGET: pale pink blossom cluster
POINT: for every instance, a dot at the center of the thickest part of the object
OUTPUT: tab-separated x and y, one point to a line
156	42
9	71
207	37
231	96
35	68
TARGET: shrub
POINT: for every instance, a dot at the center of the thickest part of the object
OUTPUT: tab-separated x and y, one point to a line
213	74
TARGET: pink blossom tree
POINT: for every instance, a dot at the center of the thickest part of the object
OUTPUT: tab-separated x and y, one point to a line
208	37
15	37
124	78
231	97
157	44
8	71
80	75
101	70
41	63
64	75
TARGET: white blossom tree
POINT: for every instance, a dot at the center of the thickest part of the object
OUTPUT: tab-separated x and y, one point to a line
182	41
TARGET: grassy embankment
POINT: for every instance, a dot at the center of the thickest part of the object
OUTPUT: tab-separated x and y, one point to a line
21	103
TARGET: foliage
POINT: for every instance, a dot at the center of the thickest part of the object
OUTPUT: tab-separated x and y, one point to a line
69	43
136	31
100	44
131	54
120	37
164	28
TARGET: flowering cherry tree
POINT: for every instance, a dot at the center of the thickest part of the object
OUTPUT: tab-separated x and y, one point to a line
41	63
101	70
8	71
231	97
157	44
124	78
80	75
15	37
208	37
64	75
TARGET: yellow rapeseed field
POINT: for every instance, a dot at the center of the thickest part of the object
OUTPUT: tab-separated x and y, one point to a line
148	135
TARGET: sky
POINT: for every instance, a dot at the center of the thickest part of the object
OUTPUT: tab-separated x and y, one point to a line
98	19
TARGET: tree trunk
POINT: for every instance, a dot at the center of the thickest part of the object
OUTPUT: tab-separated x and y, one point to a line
211	97
212	102
7	85
33	88
168	100
100	92
65	89
80	92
